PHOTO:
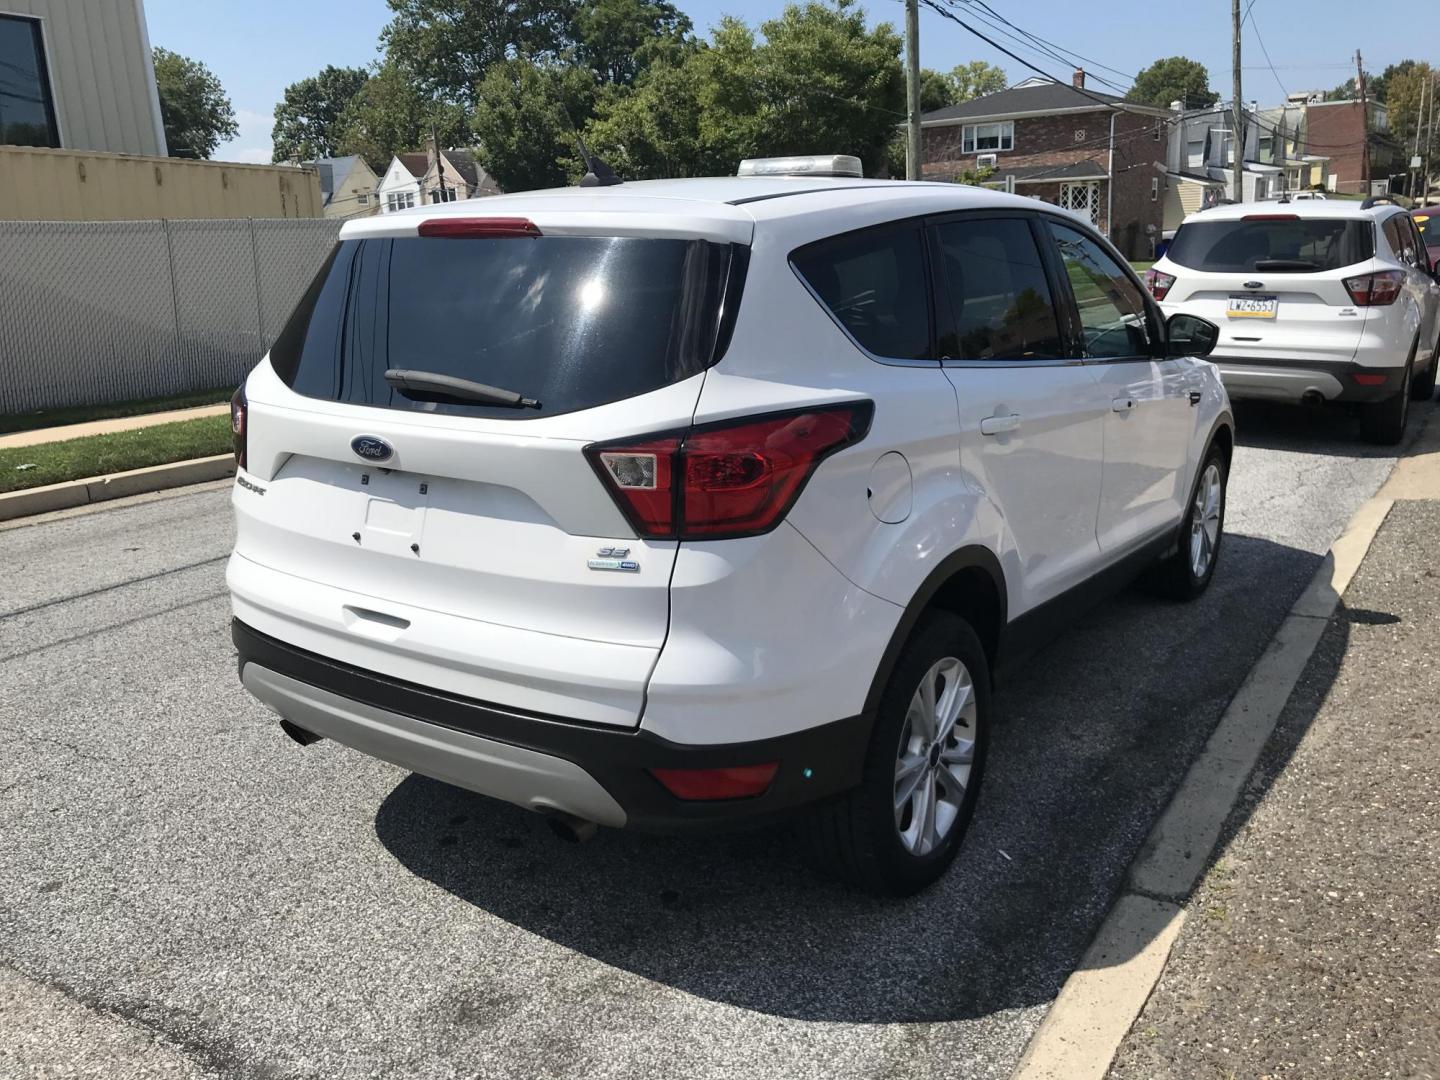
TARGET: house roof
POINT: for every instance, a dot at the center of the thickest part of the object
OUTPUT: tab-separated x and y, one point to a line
417	165
334	171
463	162
1025	100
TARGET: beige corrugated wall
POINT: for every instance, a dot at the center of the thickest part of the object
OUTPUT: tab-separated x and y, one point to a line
68	185
98	53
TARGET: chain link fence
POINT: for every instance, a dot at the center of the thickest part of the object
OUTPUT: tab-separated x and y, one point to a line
98	311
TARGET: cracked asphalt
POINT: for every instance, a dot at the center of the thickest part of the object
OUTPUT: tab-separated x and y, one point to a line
212	900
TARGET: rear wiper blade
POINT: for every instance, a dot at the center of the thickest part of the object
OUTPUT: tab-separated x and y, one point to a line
433	384
1278	265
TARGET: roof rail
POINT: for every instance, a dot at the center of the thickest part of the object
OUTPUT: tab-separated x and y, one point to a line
1379	200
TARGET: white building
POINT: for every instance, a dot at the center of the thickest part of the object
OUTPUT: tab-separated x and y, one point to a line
401	185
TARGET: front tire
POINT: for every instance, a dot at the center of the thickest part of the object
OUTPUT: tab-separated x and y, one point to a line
1186	573
1383	422
901	828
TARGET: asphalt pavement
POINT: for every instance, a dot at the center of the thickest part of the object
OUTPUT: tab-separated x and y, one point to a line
1312	949
176	866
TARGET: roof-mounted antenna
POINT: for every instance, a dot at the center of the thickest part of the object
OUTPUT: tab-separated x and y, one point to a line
597	173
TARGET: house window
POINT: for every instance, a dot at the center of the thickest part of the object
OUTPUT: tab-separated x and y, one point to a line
27	109
1195	154
978	138
1159	130
1154	189
363	199
1083	199
401	200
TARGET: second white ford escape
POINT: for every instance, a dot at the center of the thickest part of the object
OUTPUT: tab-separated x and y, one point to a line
687	503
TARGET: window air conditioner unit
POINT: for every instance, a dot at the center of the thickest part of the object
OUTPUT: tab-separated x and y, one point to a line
986	161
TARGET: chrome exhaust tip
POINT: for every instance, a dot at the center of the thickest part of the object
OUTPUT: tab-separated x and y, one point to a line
571	829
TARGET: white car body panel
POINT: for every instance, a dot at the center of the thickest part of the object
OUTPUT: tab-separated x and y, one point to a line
480	586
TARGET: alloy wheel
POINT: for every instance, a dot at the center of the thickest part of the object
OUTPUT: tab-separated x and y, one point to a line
1205	520
936	756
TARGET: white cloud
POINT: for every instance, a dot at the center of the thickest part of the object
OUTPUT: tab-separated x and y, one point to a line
252	143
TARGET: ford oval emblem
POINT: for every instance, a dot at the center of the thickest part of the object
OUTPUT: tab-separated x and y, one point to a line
372	448
1254	284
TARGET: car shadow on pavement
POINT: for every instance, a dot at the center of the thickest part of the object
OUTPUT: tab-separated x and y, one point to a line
1312	429
1091	738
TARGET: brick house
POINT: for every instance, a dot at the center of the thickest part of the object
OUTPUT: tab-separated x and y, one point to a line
1089	152
1338	129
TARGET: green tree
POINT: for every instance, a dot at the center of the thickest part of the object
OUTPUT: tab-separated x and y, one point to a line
935	91
308	121
1377	87
975	79
1404	90
1175	78
388	116
523	123
196	113
618	39
815	81
446	47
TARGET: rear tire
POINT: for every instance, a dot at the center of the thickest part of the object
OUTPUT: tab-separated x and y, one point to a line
1383	422
1186	573
900	829
1422	388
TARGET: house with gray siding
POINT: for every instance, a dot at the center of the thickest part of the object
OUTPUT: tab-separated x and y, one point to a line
78	75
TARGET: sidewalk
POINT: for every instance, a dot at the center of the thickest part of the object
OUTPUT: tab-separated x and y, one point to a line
1312	948
106	427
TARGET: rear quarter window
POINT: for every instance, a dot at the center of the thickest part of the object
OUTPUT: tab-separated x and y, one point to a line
1289	245
873	282
573	322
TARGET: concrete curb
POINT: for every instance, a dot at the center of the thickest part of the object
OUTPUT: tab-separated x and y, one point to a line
1102	998
72	493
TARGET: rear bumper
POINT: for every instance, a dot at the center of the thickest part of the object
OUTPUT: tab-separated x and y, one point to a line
540	762
1294	380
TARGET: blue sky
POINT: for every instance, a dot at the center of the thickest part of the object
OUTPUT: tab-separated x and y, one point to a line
257	47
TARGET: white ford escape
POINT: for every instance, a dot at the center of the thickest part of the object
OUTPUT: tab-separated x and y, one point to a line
1317	301
687	503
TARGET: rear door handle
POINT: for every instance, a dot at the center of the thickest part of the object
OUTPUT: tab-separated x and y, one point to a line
1122	404
996	425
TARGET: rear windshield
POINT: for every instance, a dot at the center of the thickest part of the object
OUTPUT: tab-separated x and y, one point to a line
571	322
1294	246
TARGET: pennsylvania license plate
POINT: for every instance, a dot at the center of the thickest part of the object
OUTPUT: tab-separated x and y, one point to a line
1250	306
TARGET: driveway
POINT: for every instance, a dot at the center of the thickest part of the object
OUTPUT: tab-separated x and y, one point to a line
175	863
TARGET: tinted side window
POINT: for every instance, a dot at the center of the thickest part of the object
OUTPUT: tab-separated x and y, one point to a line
1395	237
999	299
873	281
1113	318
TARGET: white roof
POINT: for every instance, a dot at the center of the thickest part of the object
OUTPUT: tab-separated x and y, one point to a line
1305	208
724	208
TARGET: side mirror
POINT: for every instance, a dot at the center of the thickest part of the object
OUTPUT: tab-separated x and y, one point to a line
1190	335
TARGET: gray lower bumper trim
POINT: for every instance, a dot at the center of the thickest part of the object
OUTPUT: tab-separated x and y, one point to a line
512	773
1277	383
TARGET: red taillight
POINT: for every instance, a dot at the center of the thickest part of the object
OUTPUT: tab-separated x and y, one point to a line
1377	289
1367	379
719	481
479	228
736	782
238	420
1158	283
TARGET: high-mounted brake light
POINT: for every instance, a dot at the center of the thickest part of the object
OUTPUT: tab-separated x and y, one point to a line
724	480
1158	282
737	782
1379	289
239	421
1271	217
479	228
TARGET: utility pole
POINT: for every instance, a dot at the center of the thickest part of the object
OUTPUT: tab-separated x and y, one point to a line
1415	162
1237	104
1429	135
912	90
1364	125
439	165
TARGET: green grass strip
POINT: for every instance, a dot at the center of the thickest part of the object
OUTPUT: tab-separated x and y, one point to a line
80	414
96	455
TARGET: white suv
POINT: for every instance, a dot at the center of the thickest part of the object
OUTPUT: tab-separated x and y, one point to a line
1317	301
686	503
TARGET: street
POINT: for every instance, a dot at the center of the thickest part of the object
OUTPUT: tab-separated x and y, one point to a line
176	863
